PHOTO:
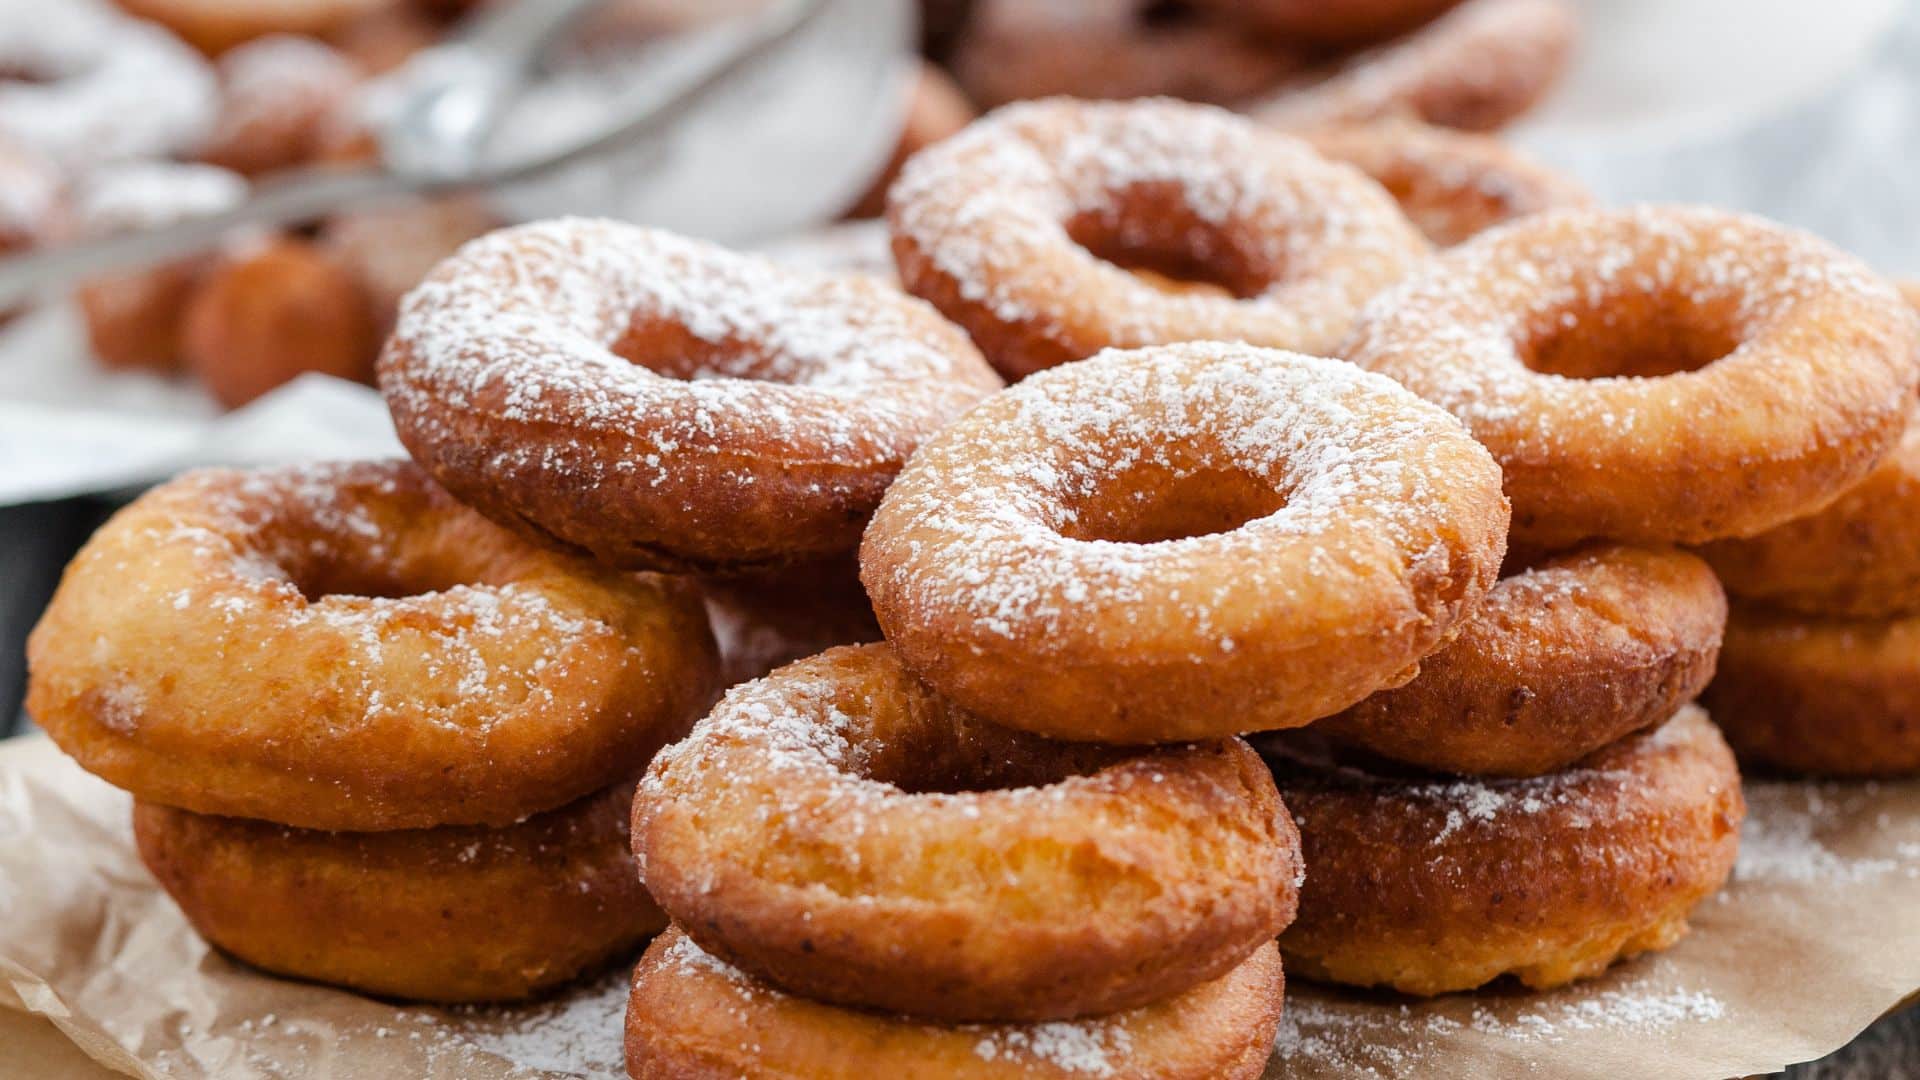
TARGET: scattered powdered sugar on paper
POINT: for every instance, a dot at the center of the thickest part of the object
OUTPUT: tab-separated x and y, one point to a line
1392	1040
1781	841
579	1035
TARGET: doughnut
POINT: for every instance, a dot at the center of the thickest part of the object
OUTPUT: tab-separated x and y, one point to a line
1630	369
1017	49
843	833
392	248
1479	67
215	26
1828	696
1432	886
83	85
1450	184
1858	557
1183	542
273	312
694	1017
456	914
662	403
135	319
1559	660
766	622
345	647
1332	22
278	98
935	109
1023	227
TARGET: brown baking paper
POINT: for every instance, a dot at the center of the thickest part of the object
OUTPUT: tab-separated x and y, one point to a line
1818	936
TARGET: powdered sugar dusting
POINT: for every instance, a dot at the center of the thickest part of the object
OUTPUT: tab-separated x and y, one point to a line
115	88
989	208
981	524
147	195
520	325
1458	333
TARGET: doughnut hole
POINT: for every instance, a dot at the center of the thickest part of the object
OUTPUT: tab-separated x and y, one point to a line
1153	502
1150	231
1635	335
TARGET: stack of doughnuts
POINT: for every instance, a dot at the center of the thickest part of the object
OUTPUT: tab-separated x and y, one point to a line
373	739
1055	715
1022	835
1539	800
1820	674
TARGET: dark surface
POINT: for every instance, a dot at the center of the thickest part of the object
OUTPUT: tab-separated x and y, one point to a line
36	540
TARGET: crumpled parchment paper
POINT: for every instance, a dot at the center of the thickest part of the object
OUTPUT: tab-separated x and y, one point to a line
1818	936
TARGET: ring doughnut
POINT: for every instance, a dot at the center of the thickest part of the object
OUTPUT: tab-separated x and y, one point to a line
1429	887
694	1016
1333	22
1821	696
1022	229
448	915
1183	542
83	85
345	647
1627	367
1478	67
1559	660
215	26
1013	50
768	622
662	403
265	316
1450	184
136	318
841	832
279	100
1858	557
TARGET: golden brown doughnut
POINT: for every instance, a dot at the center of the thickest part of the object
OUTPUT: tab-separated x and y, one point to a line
1432	886
346	647
279	96
1823	696
1023	228
841	832
1630	368
448	915
1559	660
764	622
1017	49
215	26
1332	22
693	1017
1451	184
136	319
1857	557
1183	542
269	314
663	403
935	109
1478	67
